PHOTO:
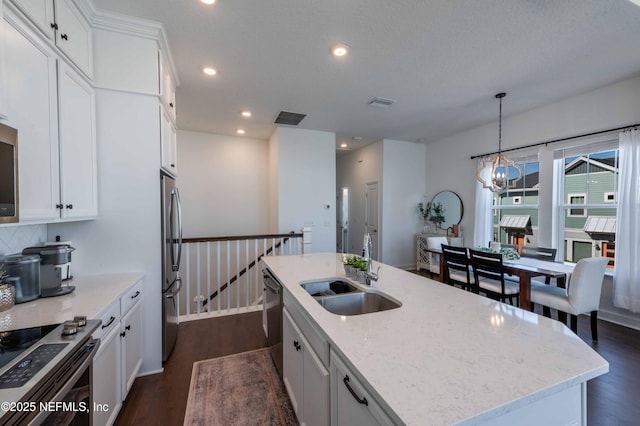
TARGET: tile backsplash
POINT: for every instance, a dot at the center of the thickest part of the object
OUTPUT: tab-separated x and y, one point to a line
14	238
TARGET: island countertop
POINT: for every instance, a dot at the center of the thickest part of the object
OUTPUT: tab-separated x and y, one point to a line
92	294
446	356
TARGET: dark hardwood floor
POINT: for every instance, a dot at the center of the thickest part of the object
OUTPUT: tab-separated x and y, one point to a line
161	399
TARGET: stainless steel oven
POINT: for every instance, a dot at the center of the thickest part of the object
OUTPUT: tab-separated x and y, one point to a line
46	378
8	174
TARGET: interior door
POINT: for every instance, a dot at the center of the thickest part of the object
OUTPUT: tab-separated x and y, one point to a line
372	217
342	220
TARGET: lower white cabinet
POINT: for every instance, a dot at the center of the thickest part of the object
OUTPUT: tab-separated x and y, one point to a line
106	384
131	335
351	403
305	376
119	357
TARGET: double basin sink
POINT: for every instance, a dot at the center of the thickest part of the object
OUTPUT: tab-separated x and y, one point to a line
341	297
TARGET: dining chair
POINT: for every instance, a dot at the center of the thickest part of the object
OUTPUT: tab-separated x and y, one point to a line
434	258
488	272
457	267
541	253
581	296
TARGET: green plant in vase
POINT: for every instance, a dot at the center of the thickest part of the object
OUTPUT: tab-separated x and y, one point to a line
437	214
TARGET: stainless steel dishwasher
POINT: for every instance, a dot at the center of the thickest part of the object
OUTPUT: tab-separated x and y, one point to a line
273	306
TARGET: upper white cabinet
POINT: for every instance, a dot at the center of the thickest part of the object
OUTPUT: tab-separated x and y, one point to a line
78	182
3	110
168	143
167	88
52	107
62	22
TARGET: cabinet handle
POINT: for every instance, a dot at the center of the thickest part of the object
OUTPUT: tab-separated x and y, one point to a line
296	345
171	104
111	320
128	327
59	206
353	393
54	25
123	334
69	206
136	295
173	165
64	37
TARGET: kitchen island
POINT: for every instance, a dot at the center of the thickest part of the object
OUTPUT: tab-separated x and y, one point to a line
445	356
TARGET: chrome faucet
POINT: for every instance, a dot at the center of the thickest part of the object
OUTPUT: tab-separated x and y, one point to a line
367	249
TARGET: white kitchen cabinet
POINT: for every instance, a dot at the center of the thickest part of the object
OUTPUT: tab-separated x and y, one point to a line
351	403
168	143
61	21
52	107
107	388
131	337
3	111
305	377
167	88
78	170
31	97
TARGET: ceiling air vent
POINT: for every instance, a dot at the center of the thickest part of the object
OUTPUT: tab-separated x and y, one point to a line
381	102
290	118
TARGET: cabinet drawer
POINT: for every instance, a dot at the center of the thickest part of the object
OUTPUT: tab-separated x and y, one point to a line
130	298
110	319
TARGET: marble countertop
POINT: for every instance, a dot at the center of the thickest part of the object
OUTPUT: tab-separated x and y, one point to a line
92	295
446	356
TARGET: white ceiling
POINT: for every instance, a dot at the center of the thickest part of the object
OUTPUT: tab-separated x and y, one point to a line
441	60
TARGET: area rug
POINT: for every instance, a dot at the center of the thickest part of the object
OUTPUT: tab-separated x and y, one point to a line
240	389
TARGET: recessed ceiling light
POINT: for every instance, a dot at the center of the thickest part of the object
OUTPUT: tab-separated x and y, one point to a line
343	145
340	50
240	131
209	71
357	138
246	114
209	2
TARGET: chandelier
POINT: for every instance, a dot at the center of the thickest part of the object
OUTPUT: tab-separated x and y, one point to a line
504	173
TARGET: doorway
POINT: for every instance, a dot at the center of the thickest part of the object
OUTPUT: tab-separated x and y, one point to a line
342	220
371	216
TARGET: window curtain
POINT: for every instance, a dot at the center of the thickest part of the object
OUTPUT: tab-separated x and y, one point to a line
483	221
626	278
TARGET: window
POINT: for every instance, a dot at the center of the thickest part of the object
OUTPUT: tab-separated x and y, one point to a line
519	204
610	197
587	213
577	199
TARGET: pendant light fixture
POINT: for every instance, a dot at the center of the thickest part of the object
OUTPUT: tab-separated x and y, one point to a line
504	173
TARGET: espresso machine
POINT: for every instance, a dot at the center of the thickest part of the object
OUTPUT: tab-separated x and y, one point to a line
55	267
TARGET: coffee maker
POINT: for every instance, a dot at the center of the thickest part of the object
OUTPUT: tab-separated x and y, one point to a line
55	267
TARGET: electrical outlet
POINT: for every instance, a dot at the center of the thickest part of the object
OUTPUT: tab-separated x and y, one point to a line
199	299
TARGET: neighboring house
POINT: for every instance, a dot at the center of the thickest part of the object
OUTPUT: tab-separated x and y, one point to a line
588	181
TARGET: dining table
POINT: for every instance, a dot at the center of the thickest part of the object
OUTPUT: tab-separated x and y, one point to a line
524	268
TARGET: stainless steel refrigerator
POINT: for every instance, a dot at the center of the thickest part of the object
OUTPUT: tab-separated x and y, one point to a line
171	254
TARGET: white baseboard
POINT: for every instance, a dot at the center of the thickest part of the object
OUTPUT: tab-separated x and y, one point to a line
620	319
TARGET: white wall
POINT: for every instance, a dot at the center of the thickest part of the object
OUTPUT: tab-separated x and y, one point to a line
272	170
449	165
223	184
306	177
403	188
354	171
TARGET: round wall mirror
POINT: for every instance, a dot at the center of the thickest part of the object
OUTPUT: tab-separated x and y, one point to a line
452	208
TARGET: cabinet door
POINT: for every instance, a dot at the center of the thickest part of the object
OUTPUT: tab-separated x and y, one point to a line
315	381
78	175
40	12
106	384
167	89
73	36
351	404
168	143
31	101
292	362
131	334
